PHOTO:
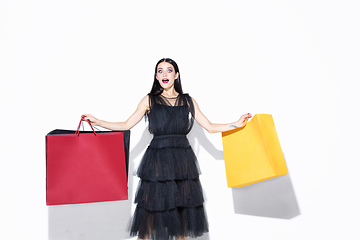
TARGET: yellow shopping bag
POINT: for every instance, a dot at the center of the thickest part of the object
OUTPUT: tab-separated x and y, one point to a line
253	153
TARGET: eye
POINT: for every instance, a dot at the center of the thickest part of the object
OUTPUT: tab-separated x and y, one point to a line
170	70
159	71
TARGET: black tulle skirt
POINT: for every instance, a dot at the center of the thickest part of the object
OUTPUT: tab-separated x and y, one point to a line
169	197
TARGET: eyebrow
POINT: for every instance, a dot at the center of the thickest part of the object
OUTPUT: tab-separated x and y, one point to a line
168	68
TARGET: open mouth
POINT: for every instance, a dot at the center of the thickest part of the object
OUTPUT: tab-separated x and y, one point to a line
165	80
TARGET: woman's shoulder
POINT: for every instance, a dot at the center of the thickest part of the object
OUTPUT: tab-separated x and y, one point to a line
185	95
145	101
186	98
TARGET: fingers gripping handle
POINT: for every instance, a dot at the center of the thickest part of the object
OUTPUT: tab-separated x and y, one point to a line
78	128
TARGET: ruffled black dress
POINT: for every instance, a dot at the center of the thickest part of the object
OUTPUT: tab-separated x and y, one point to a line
169	196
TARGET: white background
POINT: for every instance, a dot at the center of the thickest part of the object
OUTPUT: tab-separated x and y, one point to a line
297	60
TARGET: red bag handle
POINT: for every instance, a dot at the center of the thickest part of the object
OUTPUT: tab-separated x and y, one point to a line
78	128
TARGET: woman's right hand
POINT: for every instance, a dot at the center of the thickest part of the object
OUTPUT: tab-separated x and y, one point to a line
93	120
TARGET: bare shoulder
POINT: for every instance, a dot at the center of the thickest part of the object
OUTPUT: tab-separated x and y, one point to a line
144	103
195	103
145	99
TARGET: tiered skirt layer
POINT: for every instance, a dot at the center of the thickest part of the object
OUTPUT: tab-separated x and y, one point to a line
169	197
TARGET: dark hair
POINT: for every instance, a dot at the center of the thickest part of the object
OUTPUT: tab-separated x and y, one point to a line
156	87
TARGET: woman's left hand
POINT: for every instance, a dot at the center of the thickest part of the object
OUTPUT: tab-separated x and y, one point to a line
243	119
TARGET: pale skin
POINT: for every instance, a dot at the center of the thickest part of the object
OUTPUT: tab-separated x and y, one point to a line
166	76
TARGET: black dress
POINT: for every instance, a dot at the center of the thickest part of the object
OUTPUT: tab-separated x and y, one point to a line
169	196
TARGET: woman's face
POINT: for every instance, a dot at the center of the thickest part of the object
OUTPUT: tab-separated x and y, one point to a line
166	75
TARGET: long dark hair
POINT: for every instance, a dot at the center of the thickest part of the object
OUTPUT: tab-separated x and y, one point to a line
156	87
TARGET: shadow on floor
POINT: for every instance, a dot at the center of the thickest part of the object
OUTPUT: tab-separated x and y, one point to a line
273	198
92	221
204	237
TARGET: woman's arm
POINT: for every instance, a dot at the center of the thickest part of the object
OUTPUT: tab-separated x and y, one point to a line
214	127
128	124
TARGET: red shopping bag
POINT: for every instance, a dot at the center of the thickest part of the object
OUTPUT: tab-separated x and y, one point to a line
86	166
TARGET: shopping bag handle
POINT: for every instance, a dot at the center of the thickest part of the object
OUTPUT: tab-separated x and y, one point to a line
78	128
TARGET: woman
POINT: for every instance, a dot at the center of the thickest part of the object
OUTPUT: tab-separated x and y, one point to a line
169	197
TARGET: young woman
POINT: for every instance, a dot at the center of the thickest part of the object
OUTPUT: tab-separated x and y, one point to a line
169	197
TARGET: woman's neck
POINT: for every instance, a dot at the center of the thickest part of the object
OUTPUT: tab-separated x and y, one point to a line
169	93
